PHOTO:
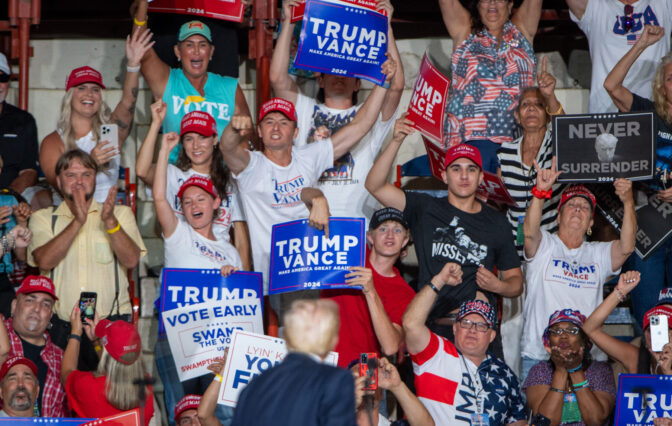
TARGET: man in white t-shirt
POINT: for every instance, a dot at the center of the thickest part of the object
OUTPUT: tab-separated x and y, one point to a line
343	181
276	184
460	383
612	27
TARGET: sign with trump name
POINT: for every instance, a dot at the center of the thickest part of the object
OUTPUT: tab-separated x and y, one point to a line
303	257
604	147
641	398
343	40
250	355
428	100
297	11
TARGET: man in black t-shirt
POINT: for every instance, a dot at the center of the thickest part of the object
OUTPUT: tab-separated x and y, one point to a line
458	229
18	140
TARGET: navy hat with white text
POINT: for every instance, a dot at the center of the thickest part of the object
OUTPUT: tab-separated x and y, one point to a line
383	215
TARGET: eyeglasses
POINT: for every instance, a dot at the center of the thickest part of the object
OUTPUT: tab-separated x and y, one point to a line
628	20
480	326
560	331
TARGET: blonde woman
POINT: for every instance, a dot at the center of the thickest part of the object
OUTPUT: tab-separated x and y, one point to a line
659	264
110	389
83	111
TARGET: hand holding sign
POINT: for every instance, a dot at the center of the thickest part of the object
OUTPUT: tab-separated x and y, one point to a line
319	214
650	35
403	127
385	7
287	6
545	81
360	276
389	68
546	177
228	270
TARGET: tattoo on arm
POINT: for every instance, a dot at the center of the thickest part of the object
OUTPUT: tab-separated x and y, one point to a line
122	124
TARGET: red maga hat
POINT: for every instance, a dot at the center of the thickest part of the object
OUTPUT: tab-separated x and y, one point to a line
202	182
198	122
11	362
189	402
463	151
121	340
278	105
83	75
37	284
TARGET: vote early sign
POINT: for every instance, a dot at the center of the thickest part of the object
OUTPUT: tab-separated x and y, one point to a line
250	355
199	333
343	40
302	257
180	287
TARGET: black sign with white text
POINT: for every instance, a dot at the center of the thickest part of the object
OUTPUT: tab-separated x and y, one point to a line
604	147
654	217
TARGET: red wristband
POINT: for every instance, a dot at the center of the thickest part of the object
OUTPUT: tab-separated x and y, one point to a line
541	194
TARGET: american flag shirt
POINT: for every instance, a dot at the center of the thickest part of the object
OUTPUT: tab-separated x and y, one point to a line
486	82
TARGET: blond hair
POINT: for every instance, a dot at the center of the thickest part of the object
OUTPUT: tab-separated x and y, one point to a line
311	326
660	100
119	388
65	126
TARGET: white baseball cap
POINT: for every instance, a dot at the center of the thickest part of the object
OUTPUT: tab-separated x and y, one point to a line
4	66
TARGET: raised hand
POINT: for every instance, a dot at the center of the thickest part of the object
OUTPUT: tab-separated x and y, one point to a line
242	124
170	141
545	81
623	188
650	35
158	109
386	5
546	177
402	128
137	44
21	235
389	68
287	8
388	375
628	281
22	212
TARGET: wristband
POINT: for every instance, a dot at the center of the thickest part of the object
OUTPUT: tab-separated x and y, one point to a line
133	69
574	370
557	390
115	229
76	337
141	23
433	287
581	385
541	194
619	295
219	378
553	113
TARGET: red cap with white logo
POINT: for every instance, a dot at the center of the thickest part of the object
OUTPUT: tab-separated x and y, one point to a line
83	75
37	284
121	340
204	183
199	122
463	151
278	105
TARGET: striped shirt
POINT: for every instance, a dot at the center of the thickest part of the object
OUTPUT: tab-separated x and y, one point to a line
520	179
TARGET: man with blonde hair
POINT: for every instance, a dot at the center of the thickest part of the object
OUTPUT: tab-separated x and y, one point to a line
301	390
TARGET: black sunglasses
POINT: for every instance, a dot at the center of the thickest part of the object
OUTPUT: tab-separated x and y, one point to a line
628	21
4	78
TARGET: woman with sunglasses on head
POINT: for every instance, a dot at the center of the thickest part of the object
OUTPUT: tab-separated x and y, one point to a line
493	55
563	268
570	388
659	264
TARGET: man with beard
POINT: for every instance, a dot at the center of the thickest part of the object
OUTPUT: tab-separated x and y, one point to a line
18	387
85	246
27	331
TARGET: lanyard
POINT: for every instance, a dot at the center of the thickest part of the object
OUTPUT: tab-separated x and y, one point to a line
478	387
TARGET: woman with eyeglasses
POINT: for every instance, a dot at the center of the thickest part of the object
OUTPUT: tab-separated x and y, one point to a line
492	62
659	264
570	388
564	269
635	359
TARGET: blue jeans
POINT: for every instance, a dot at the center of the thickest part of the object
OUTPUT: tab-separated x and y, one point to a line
488	152
528	363
174	390
656	274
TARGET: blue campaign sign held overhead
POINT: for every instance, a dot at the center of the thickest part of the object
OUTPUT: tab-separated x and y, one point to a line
303	258
344	40
642	398
180	287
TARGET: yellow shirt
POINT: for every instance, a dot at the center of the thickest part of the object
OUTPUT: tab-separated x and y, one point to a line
89	263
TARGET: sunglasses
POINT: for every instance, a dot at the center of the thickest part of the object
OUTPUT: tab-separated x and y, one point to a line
560	331
628	21
4	78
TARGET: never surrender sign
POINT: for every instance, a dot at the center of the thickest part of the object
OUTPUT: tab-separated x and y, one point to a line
343	40
604	147
304	258
642	398
428	100
227	10
654	219
249	356
200	333
180	287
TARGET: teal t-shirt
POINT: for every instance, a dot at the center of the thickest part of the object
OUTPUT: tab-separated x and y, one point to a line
181	97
